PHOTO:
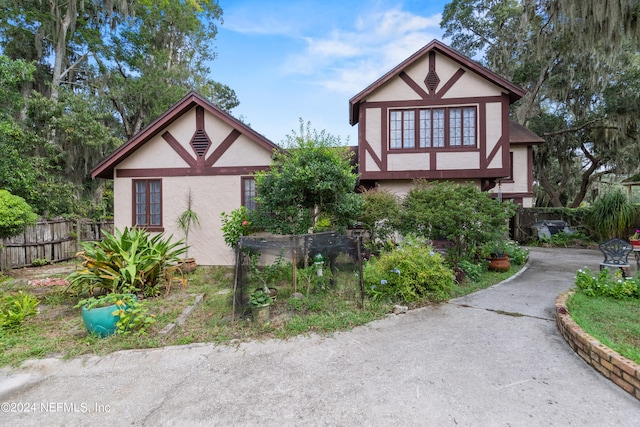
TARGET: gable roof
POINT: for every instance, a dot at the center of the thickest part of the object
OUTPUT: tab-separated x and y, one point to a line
105	168
519	134
515	92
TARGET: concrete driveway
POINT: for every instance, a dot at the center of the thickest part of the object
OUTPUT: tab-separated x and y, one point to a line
494	358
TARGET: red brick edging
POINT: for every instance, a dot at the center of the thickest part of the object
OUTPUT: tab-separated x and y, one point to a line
622	371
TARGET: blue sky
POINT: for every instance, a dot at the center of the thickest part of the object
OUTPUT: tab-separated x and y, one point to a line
307	58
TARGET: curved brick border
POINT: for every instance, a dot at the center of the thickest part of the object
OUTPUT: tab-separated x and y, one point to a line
619	369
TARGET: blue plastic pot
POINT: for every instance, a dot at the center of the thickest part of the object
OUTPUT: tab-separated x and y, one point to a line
100	321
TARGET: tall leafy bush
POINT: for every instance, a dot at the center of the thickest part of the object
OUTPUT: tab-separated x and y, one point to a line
380	214
15	214
312	180
460	213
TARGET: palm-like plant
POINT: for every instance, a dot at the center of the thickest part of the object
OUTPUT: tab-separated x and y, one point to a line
126	261
612	215
187	220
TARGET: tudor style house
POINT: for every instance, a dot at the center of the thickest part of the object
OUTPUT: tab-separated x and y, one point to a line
441	116
196	148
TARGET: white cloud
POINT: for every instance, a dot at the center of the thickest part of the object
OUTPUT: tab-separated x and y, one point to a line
347	60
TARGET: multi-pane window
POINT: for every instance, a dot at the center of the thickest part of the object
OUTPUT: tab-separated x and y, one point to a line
469	127
402	129
147	194
249	193
437	127
431	128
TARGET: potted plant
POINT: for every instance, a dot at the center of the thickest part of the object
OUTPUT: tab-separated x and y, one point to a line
495	251
186	222
260	303
634	239
115	313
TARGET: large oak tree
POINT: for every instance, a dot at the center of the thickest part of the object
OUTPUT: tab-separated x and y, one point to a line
575	58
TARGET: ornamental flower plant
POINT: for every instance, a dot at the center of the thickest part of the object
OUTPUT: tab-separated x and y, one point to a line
235	225
635	236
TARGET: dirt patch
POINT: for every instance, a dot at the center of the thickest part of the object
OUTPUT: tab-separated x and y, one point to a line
32	273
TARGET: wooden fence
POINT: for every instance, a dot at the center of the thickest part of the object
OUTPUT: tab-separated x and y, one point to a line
49	240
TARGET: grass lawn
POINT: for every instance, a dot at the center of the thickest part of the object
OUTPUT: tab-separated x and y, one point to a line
57	330
613	322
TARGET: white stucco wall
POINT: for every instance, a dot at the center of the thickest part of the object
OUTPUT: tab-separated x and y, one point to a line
210	197
408	162
373	131
520	170
395	89
458	160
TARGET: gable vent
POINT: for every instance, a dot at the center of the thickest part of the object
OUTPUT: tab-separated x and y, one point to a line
200	142
432	80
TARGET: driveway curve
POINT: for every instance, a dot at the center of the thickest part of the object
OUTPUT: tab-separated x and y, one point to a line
493	358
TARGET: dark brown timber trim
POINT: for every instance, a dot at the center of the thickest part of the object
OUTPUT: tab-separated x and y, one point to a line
179	149
224	146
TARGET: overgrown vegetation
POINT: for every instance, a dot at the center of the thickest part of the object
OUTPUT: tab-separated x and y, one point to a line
57	329
612	215
14	309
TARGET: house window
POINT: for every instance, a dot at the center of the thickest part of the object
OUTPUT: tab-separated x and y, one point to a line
469	127
402	129
249	193
147	196
437	128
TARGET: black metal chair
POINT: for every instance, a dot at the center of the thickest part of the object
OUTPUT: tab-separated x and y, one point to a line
616	255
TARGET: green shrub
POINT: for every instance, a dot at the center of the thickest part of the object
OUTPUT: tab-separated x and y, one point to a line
15	214
562	239
517	253
459	213
123	262
259	299
412	272
473	271
15	308
607	285
379	216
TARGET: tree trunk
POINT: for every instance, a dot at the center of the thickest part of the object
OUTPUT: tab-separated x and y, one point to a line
62	27
554	196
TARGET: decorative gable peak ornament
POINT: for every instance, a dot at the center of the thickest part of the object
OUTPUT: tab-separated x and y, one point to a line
432	80
200	142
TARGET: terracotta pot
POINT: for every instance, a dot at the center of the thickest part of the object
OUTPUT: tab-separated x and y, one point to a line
635	243
188	265
501	264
